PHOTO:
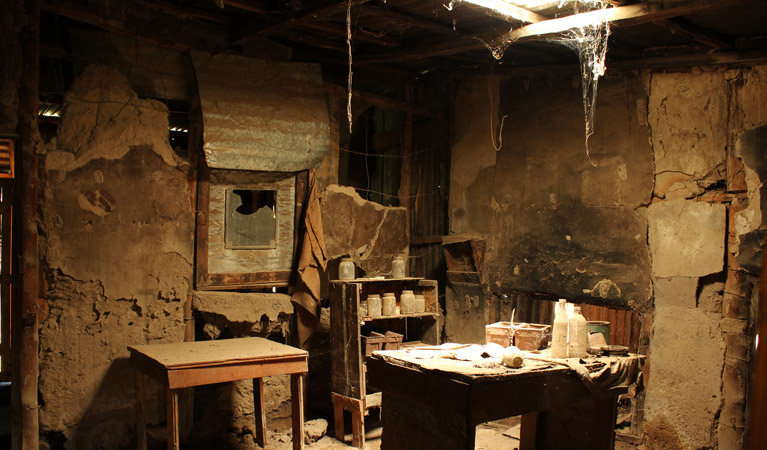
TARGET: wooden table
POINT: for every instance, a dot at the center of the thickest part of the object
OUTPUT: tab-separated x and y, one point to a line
437	404
187	364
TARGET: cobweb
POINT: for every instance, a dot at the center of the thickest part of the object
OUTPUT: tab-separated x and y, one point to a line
590	43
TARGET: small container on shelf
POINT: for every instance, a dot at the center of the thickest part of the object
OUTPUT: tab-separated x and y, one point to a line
346	269
398	267
407	302
374	305
420	303
389	304
363	308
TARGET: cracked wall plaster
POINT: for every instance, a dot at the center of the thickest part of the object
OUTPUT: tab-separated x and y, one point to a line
688	117
686	360
117	248
372	234
103	118
686	238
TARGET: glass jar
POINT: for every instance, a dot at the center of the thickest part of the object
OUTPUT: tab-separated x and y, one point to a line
374	305
420	303
398	267
407	302
346	269
389	304
363	312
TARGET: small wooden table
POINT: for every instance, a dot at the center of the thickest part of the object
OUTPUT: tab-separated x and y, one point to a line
187	364
437	403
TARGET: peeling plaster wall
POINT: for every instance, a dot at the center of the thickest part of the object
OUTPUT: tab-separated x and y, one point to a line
673	212
117	251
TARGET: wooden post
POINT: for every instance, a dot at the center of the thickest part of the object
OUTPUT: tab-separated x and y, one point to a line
171	414
297	416
259	414
140	410
25	326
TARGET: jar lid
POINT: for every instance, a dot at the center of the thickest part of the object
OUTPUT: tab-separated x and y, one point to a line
373	295
388	294
407	291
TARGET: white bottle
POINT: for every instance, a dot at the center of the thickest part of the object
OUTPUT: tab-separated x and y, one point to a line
559	331
578	336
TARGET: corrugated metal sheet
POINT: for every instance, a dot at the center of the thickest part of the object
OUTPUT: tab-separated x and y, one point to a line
261	115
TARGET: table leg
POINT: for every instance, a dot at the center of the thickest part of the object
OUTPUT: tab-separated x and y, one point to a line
140	410
409	425
527	431
258	411
172	418
297	399
338	415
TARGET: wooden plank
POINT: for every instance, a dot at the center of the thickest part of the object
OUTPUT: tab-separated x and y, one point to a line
140	410
347	377
506	10
338	415
259	413
528	430
407	150
318	13
172	419
463	277
359	34
297	404
377	100
201	232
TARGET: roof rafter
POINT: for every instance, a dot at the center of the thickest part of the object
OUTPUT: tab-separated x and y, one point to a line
621	15
505	10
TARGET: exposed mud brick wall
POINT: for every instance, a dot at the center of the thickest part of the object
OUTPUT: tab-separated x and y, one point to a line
556	223
117	226
673	213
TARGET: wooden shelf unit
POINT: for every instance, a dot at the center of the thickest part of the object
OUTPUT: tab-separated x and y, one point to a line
348	385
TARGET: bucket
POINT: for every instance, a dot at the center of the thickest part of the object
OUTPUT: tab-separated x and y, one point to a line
600	326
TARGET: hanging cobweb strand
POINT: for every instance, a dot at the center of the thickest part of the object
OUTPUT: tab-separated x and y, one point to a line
590	44
349	46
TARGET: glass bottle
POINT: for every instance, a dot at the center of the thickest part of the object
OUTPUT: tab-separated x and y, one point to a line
420	303
578	335
389	304
559	331
374	305
407	302
398	267
346	269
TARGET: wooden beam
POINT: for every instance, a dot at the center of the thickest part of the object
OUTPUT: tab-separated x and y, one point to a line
694	33
505	10
321	12
357	33
377	100
183	38
250	5
185	11
409	19
625	15
314	41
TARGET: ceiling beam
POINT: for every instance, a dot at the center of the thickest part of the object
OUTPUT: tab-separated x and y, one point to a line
358	34
378	100
505	10
250	5
185	11
410	20
320	13
187	33
626	15
694	33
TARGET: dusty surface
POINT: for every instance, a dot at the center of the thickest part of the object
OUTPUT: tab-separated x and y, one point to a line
686	238
369	232
117	257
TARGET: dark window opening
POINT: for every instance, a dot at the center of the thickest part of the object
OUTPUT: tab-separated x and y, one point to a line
251	220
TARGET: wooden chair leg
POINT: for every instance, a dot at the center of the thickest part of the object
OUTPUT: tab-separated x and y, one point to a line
172	419
338	416
140	410
297	399
358	424
259	415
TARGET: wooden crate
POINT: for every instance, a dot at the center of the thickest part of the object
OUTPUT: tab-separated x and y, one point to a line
377	341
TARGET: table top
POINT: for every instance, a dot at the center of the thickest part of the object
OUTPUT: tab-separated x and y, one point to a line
183	355
489	369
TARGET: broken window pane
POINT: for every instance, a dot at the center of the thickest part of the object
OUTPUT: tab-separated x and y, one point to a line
251	219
